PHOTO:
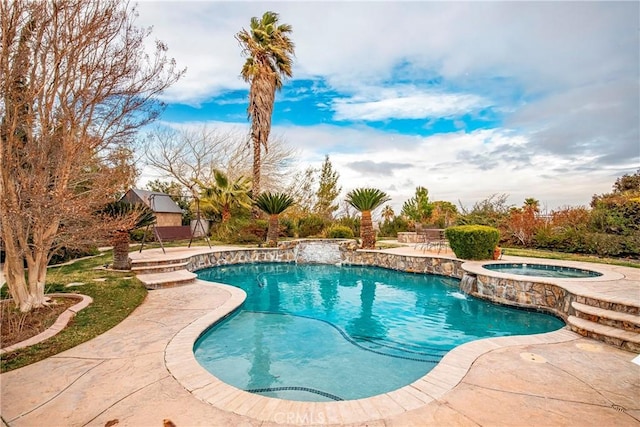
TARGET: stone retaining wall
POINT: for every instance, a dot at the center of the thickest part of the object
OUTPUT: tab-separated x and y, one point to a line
407	237
441	266
525	293
288	252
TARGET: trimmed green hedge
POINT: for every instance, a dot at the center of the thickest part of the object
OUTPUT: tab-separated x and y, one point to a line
473	241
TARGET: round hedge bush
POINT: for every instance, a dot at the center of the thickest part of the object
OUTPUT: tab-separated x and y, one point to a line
473	241
340	232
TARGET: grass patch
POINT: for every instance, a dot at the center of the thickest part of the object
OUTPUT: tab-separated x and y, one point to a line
113	300
537	253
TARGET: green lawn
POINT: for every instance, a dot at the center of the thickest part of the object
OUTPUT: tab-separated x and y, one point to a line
113	300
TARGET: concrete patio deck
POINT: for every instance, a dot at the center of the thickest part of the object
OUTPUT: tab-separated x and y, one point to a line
125	378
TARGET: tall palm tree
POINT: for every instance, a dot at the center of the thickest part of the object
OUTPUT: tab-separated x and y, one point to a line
269	52
366	200
126	217
223	195
273	204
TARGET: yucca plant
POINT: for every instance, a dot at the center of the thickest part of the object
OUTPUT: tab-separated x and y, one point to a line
125	217
366	200
273	204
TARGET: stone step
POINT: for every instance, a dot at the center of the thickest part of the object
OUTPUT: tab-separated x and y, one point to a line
626	340
167	280
158	262
160	268
607	304
624	321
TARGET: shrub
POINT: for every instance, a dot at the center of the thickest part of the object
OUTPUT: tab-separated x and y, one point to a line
339	232
473	241
140	233
239	230
253	232
287	227
311	225
65	254
393	227
352	222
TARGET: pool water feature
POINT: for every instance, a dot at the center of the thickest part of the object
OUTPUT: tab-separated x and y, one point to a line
542	270
324	332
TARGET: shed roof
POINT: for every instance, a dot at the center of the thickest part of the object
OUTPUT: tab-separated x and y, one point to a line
158	202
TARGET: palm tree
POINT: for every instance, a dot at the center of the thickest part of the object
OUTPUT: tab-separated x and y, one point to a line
532	204
126	217
366	200
388	213
223	195
269	52
273	204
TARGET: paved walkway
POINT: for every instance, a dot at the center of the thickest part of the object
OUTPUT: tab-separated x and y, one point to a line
121	378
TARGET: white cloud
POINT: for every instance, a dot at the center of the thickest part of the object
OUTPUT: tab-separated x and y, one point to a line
418	106
465	167
564	74
457	167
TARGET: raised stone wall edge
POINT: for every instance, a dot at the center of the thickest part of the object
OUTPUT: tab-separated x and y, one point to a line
525	294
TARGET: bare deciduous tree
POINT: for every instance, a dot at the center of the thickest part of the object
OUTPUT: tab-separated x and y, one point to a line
191	155
76	85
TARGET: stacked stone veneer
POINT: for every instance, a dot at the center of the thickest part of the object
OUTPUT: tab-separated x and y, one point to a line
540	296
441	266
524	293
407	237
349	255
288	251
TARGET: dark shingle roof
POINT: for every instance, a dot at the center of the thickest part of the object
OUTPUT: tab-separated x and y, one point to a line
160	202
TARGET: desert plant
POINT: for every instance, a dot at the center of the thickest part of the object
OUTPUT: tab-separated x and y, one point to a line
130	217
273	204
366	200
223	194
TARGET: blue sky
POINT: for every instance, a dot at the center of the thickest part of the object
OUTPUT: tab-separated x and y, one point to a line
531	99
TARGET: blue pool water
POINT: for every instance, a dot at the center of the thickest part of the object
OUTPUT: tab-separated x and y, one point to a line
542	270
323	332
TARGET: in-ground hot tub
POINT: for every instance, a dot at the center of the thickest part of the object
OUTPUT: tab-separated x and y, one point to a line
542	270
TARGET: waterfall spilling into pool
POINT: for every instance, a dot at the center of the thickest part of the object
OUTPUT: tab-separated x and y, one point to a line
318	251
469	283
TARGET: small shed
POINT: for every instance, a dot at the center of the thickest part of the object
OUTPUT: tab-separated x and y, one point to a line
168	213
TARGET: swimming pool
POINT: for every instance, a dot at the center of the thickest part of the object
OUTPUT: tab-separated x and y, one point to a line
322	332
542	270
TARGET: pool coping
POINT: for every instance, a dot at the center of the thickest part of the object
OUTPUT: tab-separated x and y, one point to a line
446	375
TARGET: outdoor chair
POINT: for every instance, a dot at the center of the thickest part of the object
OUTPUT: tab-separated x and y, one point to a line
431	239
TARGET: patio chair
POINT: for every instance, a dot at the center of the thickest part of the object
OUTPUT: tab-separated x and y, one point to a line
432	238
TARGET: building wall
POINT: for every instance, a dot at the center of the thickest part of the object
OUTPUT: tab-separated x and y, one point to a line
168	219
